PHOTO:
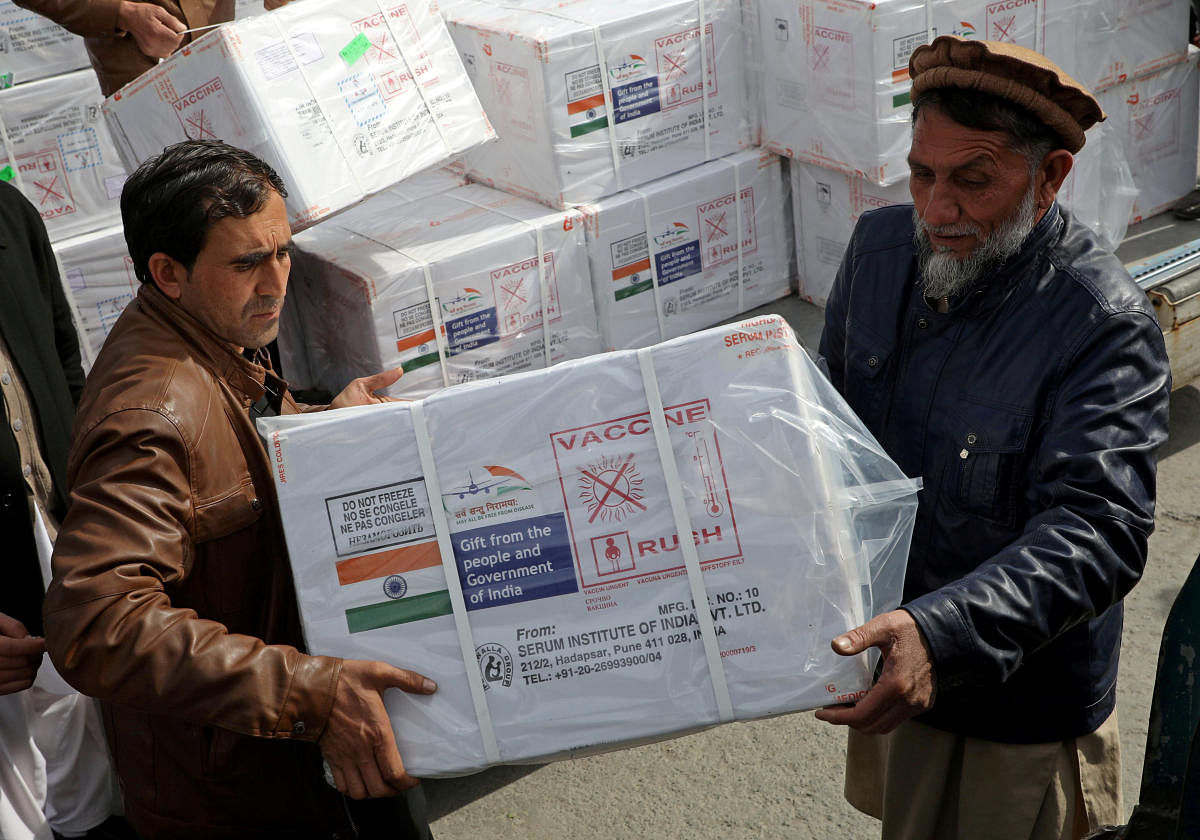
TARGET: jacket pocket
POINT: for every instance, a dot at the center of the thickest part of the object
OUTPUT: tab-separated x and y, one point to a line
991	444
867	357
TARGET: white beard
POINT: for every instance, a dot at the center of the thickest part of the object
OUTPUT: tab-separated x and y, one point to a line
944	275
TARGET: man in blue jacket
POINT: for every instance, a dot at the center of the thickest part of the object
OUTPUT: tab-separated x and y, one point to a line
999	352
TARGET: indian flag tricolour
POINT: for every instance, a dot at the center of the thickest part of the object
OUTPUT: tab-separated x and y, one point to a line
587	114
393	587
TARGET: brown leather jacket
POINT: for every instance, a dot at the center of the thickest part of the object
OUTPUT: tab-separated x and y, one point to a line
114	54
172	598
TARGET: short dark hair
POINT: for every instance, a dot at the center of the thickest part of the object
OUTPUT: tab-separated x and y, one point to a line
1028	136
173	199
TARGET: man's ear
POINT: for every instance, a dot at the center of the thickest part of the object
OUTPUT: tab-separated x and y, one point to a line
1051	174
167	273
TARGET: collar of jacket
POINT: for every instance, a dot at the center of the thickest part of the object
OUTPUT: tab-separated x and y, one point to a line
206	347
995	286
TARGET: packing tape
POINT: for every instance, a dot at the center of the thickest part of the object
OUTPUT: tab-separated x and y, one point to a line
466	641
687	544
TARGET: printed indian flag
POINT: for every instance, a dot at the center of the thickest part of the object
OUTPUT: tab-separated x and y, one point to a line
393	587
587	114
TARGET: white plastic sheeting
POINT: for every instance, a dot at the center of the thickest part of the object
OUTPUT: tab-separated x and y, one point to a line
530	525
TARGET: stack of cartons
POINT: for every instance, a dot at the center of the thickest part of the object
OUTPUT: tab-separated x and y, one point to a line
463	285
591	97
598	553
98	275
835	92
33	47
58	152
835	72
342	97
689	250
56	148
1156	121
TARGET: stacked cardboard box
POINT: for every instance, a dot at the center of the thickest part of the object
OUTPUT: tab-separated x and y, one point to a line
342	97
99	279
462	285
538	544
689	250
826	206
33	47
591	97
58	152
1156	121
834	73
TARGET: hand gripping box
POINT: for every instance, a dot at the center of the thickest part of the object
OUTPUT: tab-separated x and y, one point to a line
57	150
538	544
591	97
33	47
341	97
463	285
98	278
719	245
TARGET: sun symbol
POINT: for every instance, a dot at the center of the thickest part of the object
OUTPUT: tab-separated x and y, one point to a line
611	489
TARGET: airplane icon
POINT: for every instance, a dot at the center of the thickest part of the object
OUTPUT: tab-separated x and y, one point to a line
472	488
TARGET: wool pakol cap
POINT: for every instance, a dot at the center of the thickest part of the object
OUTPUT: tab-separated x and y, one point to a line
1020	75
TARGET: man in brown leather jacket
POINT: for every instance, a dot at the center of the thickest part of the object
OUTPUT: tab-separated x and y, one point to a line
125	38
172	599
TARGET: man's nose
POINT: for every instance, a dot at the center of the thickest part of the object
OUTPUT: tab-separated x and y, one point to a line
942	207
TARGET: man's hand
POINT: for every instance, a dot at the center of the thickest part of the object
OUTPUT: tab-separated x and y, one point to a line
358	742
156	31
362	391
906	686
20	655
272	5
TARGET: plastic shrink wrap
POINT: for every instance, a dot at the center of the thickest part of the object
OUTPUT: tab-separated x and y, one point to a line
508	279
98	277
341	97
33	47
518	540
591	97
295	360
826	206
1155	121
709	226
834	73
57	150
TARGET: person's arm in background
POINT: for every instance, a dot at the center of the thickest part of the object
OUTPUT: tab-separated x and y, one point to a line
156	30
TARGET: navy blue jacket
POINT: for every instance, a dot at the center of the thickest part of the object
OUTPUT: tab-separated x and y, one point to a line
1032	410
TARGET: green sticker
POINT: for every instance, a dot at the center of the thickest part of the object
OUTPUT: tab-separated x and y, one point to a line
6	81
6	174
355	50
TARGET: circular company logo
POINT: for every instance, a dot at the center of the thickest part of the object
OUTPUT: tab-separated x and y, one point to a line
395	586
495	665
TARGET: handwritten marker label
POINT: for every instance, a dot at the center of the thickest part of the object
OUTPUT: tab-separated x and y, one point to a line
355	50
6	174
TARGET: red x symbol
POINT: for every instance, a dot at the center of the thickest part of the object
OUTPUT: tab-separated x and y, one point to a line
1004	28
515	297
676	65
611	488
822	58
201	126
48	190
385	54
1144	126
716	227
